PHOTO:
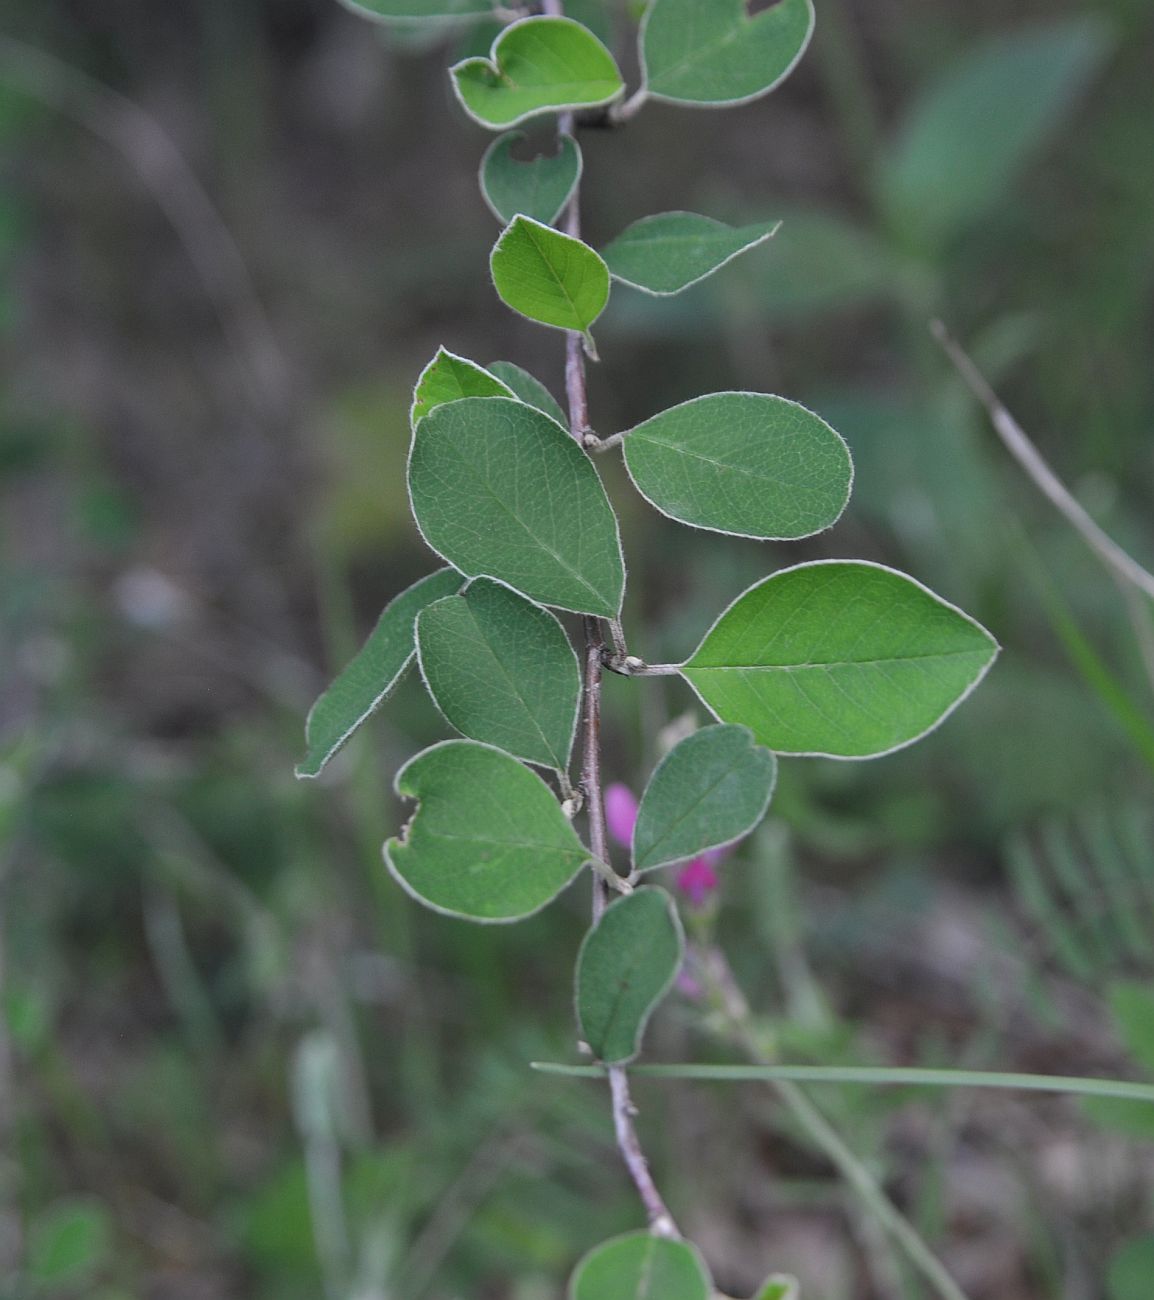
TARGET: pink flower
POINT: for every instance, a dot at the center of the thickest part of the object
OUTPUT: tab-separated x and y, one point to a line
621	813
697	879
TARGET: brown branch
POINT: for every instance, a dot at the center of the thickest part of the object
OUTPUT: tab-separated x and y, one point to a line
661	1222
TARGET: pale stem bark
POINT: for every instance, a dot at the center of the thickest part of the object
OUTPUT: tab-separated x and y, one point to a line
661	1222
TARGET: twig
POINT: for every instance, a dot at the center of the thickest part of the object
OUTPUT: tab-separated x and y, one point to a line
1018	444
661	1222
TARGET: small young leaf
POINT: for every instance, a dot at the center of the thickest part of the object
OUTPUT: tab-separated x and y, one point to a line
501	670
779	1287
839	659
667	253
415	11
549	277
1132	1005
529	389
502	491
538	187
748	464
627	964
360	689
968	138
537	65
448	378
640	1266
488	840
711	789
712	52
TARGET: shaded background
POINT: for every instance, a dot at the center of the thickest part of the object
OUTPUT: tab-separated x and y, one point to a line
235	1061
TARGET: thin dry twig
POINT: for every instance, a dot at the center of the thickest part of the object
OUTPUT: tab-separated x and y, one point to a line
1018	444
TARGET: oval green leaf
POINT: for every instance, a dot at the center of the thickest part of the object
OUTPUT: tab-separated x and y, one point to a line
416	11
667	253
535	187
711	789
488	840
537	65
448	378
529	389
839	659
502	670
359	691
640	1266
626	966
747	464
712	52
502	491
549	277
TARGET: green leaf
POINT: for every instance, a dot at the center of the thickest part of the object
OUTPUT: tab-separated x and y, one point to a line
639	1266
488	840
1131	1270
711	789
502	491
410	11
713	52
549	277
779	1287
501	670
69	1242
1132	1005
626	966
666	253
840	659
537	65
537	187
530	389
359	691
748	464
965	141
448	378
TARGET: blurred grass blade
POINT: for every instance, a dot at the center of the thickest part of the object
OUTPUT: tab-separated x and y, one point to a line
891	1076
1031	887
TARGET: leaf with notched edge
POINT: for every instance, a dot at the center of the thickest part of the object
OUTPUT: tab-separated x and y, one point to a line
537	65
534	187
713	52
488	841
